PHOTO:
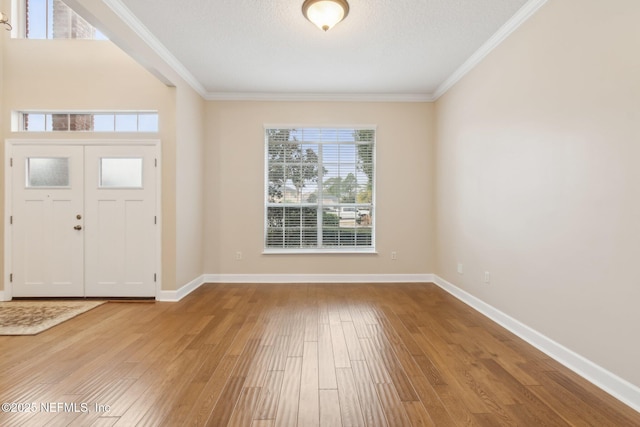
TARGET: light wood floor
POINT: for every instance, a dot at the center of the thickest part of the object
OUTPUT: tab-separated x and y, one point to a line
307	355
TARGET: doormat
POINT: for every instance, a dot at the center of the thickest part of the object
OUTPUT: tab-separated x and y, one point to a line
33	317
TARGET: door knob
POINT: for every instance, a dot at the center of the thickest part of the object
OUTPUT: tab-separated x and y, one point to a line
77	227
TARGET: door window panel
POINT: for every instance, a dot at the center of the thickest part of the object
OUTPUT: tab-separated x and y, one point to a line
48	172
120	172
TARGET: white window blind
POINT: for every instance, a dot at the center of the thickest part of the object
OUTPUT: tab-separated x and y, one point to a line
319	189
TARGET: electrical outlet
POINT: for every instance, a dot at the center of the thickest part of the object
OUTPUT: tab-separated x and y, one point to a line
487	277
238	256
460	269
394	255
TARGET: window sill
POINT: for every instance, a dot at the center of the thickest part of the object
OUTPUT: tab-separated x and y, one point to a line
318	251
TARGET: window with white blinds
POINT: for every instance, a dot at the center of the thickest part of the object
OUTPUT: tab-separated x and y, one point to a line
319	191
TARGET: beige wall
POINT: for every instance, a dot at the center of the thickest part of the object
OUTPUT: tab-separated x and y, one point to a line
189	204
538	179
60	74
234	194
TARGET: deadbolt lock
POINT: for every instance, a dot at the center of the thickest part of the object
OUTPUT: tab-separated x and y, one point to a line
78	216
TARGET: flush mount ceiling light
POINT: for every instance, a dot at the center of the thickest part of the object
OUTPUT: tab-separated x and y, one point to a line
325	13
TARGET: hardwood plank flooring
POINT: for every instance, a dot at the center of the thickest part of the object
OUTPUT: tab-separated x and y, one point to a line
269	355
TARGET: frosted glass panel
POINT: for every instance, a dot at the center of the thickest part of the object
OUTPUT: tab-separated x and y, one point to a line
48	172
121	172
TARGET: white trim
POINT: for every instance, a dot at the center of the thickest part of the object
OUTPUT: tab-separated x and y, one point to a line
318	278
494	41
302	125
147	36
177	295
3	298
319	251
319	97
609	382
56	140
158	235
18	13
8	230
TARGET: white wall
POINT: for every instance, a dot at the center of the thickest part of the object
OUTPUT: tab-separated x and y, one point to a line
538	179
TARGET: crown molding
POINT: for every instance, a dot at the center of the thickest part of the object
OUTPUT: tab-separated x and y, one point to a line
143	32
124	13
494	41
319	97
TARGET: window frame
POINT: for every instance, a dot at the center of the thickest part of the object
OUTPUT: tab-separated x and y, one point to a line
319	206
18	120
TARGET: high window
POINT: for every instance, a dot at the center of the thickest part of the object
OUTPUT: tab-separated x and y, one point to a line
320	190
103	121
53	19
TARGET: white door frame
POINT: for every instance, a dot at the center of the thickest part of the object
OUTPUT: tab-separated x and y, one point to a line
7	294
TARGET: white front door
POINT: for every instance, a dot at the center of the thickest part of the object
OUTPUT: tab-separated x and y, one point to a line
83	221
48	252
120	221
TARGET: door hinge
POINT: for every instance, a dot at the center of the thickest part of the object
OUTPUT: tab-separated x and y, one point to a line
11	161
11	220
11	277
155	220
155	277
156	162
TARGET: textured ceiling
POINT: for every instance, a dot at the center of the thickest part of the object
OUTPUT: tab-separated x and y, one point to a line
235	47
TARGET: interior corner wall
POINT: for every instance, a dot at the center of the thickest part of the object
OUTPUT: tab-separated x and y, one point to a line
538	179
235	183
211	190
189	160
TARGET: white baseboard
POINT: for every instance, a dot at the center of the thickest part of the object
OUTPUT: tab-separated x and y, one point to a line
617	387
177	295
318	278
2	297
